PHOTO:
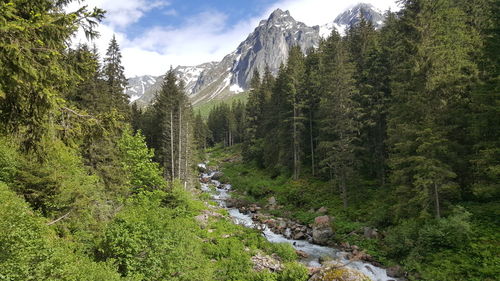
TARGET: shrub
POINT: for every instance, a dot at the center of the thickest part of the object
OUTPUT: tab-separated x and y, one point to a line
294	271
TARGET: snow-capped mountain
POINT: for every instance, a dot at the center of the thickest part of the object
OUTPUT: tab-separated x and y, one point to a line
351	17
267	45
188	74
138	85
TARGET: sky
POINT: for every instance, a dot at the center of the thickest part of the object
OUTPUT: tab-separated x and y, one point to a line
156	34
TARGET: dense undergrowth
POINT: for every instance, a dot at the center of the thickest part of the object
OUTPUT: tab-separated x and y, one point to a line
148	233
462	246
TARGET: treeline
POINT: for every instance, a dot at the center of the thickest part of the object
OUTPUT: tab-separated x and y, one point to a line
412	107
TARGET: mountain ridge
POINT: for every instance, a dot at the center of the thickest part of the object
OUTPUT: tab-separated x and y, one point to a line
266	45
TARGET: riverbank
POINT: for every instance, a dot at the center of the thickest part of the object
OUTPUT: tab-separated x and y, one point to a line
321	259
424	249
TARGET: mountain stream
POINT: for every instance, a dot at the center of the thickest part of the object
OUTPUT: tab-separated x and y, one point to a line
314	252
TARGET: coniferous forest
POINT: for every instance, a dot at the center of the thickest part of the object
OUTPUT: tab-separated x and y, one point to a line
394	133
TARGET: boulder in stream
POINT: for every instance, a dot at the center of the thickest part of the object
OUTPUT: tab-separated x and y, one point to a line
395	271
322	230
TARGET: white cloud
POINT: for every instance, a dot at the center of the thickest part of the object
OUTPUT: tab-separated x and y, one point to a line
200	38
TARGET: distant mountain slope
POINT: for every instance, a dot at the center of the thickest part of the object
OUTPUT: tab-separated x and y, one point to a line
268	45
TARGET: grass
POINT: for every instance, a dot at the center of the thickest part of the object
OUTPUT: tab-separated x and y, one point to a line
206	107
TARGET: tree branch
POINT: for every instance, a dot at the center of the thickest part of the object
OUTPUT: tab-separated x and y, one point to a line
54	221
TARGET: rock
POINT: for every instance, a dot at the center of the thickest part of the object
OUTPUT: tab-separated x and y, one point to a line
322	210
271	201
202	167
395	271
322	220
202	220
336	271
322	230
370	233
266	262
301	254
217	175
299	236
204	180
324	259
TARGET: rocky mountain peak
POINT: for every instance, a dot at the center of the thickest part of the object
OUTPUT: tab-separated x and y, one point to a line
352	16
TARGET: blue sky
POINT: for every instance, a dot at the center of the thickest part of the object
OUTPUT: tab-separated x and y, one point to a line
156	34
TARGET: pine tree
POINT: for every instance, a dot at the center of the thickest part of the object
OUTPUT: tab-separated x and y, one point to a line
33	72
429	88
251	149
340	114
114	76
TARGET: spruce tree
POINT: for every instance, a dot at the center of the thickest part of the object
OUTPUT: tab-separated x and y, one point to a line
429	88
340	114
114	75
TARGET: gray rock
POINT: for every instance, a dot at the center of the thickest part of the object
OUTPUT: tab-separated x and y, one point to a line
395	271
322	230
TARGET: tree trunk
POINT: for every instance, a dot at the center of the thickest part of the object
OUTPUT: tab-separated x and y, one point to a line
312	142
344	189
436	199
295	160
186	148
172	143
180	143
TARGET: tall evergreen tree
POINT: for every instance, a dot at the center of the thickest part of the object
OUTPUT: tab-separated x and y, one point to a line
340	114
114	76
430	85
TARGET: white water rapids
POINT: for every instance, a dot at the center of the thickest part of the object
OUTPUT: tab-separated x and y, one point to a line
314	252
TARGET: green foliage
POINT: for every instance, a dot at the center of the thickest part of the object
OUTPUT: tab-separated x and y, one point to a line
33	43
294	272
144	174
284	250
31	251
150	240
9	160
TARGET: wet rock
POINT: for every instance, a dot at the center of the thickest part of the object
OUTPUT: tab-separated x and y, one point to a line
324	259
202	168
395	271
266	262
322	210
301	254
299	236
204	180
322	230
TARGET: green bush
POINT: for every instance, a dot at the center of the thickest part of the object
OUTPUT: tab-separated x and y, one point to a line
155	241
31	251
294	271
284	250
143	173
9	162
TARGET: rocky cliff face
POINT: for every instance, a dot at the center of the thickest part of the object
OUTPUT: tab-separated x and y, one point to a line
137	86
267	45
